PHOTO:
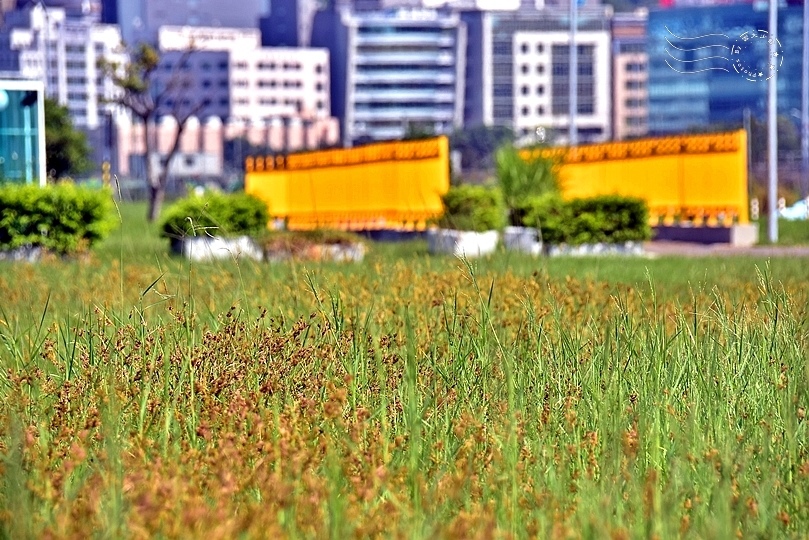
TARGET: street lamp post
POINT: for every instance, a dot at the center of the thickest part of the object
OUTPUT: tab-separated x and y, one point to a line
573	78
772	141
46	34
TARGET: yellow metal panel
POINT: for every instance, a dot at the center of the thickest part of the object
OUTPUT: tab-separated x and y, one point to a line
692	177
384	185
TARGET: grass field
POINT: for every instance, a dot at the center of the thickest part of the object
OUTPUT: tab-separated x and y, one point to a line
790	233
408	396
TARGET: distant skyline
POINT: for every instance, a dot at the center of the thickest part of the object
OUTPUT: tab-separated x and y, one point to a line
402	70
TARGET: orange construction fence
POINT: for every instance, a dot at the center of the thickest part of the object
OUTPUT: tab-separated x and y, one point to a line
383	185
701	179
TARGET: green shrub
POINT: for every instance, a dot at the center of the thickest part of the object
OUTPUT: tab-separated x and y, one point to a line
63	218
521	179
550	214
216	215
473	208
611	218
606	218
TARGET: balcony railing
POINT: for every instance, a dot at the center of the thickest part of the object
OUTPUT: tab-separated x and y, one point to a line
429	58
411	114
406	39
427	77
403	95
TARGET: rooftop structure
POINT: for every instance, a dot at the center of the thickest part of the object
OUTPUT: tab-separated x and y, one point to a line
141	20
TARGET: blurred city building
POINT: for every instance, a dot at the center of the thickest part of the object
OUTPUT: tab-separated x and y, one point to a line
6	6
394	72
517	71
271	99
630	76
63	52
238	79
288	24
73	8
202	145
141	20
693	83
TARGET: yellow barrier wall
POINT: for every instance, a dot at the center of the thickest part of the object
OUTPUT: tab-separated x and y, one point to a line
383	185
687	178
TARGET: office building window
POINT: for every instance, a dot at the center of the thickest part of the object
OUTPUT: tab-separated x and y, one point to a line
502	90
632	47
501	47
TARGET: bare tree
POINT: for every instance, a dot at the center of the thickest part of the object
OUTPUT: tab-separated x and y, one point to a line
148	95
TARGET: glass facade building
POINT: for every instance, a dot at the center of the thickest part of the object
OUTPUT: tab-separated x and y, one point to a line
708	64
394	71
22	132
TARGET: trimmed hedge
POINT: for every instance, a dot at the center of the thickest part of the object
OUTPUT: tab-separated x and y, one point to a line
215	214
608	218
63	218
473	208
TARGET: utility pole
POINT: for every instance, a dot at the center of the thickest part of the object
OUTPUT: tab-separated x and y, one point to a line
772	139
573	78
47	51
748	130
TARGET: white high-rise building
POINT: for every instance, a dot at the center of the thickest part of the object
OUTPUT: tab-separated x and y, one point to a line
518	73
64	53
240	80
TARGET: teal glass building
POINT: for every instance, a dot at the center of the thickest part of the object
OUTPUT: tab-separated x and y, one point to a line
22	132
693	83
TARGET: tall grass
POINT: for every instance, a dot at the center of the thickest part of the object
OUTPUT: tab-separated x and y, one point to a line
143	396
